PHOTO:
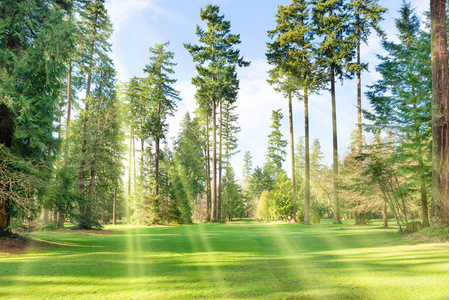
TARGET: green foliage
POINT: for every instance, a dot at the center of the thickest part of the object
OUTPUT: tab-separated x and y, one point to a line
35	41
316	219
189	165
263	206
280	198
49	227
232	199
276	145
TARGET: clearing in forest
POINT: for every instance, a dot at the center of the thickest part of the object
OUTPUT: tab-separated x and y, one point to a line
228	261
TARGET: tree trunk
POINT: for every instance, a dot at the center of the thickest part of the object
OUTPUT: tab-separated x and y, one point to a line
91	182
440	111
208	189
307	159
220	163
424	204
156	165
157	146
114	207
385	214
335	149
6	140
213	217
84	142
128	199
142	147
359	90
360	218
292	157
134	162
69	110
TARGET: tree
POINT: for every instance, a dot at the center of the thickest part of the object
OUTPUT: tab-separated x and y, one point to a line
247	168
366	15
440	110
401	101
228	143
32	61
189	163
217	60
95	29
295	69
263	206
334	54
280	200
158	86
233	205
276	145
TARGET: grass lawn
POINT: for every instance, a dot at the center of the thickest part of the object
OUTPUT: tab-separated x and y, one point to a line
239	260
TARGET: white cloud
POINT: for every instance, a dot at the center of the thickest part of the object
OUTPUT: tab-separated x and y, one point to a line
121	11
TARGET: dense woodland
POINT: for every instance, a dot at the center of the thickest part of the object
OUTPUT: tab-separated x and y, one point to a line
76	145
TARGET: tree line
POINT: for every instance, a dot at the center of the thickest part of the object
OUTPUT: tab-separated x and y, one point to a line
76	144
387	169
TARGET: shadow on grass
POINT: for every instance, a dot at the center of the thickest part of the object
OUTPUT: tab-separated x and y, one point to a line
223	261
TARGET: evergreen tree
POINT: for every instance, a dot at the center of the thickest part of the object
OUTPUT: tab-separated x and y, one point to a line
292	55
229	141
365	16
217	60
233	205
276	145
98	80
401	101
95	29
159	88
334	54
32	61
188	157
280	200
247	168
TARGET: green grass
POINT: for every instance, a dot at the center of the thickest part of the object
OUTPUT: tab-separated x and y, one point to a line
241	260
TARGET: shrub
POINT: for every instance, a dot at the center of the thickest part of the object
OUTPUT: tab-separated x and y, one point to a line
316	219
49	227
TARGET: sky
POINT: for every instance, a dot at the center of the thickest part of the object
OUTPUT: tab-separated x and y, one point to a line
139	24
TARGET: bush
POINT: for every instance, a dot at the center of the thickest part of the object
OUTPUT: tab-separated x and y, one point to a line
316	219
49	227
436	231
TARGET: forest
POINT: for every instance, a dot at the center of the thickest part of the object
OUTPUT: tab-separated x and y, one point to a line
82	152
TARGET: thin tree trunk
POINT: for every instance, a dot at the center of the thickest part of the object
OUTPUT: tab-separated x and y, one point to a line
228	213
142	147
220	163
307	159
359	90
128	200
425	210
92	181
213	217
440	110
114	207
157	145
134	162
292	157
385	214
69	110
335	149
208	189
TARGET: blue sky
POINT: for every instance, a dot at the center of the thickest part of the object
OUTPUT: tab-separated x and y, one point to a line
139	24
